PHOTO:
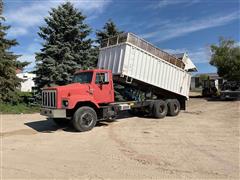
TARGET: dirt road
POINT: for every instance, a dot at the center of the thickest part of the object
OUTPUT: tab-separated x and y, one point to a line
202	142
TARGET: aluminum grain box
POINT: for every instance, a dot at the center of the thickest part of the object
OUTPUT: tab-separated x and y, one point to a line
132	57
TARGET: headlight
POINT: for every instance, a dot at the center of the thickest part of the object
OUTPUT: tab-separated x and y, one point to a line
65	103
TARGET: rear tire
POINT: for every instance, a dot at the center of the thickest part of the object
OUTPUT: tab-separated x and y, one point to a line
84	119
61	122
173	107
160	109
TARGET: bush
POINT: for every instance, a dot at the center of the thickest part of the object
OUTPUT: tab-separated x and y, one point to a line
25	97
19	97
6	108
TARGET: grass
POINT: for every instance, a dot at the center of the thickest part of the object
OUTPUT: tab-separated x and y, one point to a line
18	109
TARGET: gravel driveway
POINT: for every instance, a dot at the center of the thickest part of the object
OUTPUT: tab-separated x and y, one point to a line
202	142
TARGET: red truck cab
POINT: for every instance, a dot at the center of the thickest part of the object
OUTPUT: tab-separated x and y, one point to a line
93	86
90	88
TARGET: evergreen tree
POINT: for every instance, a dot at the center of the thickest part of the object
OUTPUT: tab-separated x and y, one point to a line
1	7
109	30
93	56
8	64
66	46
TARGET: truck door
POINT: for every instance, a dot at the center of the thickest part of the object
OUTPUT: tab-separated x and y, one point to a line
102	88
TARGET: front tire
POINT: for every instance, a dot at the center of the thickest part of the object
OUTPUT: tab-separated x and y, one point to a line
84	119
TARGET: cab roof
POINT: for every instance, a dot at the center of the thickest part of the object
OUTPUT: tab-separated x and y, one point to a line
93	70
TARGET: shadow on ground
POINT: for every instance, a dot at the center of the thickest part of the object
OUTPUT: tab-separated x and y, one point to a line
219	99
214	98
48	126
43	126
198	96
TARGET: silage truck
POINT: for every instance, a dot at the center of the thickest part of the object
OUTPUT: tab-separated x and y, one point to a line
154	83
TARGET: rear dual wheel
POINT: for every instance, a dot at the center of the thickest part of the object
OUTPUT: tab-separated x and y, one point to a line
160	109
169	107
173	107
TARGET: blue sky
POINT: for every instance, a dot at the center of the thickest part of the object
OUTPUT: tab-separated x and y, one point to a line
172	25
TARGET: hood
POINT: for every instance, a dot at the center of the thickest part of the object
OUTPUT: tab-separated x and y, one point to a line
70	89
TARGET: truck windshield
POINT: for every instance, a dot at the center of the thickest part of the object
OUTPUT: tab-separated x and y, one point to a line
83	78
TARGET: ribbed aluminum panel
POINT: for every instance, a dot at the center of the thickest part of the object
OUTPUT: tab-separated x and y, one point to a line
131	61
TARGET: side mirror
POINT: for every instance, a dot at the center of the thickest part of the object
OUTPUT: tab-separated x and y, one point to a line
102	78
103	82
106	78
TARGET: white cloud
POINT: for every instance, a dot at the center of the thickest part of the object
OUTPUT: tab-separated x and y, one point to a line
175	51
177	29
33	13
165	3
17	31
27	16
29	58
29	55
199	55
33	47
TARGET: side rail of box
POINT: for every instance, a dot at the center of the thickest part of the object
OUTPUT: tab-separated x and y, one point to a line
141	43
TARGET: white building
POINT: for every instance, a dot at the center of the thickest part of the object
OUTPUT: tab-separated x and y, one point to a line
197	84
27	84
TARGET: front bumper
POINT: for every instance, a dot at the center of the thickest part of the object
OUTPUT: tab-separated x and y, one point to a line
53	113
230	94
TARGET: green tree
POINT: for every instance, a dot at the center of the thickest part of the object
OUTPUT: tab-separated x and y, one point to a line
1	7
226	58
21	65
109	30
8	64
66	46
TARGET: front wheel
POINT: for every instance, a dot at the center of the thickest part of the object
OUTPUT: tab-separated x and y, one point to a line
84	119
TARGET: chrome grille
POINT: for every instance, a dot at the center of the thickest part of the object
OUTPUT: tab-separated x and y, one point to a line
49	98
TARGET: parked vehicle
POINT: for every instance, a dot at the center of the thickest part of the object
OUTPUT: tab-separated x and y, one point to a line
230	90
155	84
209	88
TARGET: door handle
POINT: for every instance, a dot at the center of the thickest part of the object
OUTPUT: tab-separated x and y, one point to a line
90	91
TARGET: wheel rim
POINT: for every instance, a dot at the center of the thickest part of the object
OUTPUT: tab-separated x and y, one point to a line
175	108
161	108
86	119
